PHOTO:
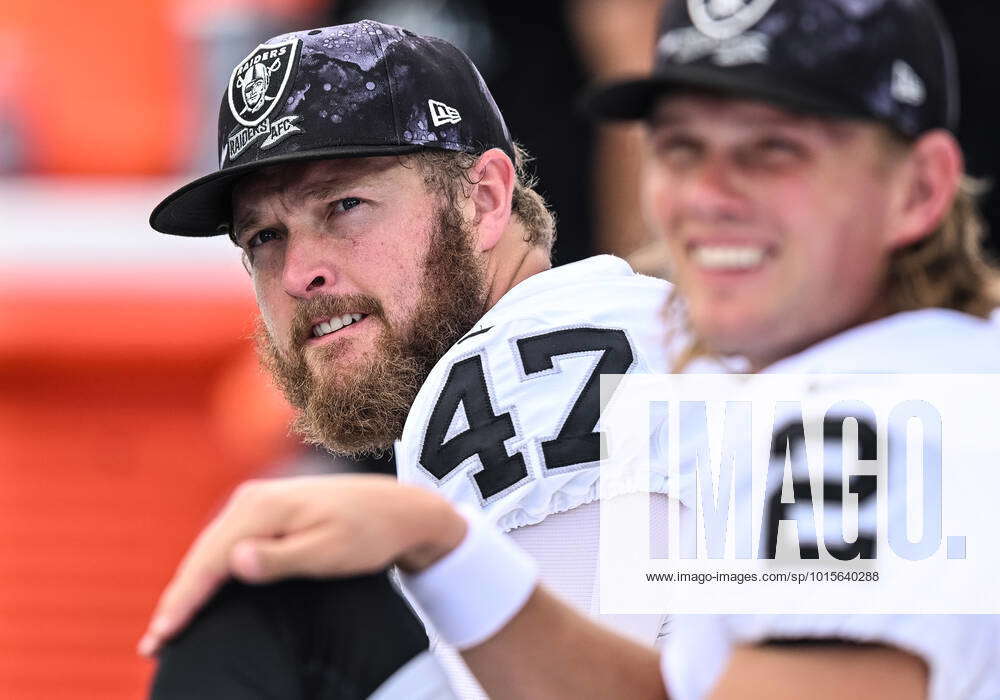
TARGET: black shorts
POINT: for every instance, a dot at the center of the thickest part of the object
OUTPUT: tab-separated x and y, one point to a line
294	640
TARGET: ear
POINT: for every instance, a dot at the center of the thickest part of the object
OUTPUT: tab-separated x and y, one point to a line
933	172
493	185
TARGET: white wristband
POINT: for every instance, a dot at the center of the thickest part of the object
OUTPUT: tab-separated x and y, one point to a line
474	590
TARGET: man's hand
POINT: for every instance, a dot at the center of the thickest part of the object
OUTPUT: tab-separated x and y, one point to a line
317	527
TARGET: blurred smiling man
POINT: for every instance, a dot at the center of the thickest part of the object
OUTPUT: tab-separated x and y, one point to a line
770	216
785	228
802	170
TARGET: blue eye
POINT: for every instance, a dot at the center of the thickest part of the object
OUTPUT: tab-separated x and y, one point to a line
261	237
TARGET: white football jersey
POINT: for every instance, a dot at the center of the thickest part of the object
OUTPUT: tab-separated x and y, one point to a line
960	650
914	342
507	420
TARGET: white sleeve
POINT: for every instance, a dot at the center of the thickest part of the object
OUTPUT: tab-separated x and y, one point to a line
961	651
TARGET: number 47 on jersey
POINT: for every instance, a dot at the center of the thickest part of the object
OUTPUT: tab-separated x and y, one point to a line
576	441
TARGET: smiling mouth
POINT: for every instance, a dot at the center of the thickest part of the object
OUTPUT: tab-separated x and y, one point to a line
728	257
335	323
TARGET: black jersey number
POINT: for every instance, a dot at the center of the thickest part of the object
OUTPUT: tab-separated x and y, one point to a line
487	432
792	437
576	441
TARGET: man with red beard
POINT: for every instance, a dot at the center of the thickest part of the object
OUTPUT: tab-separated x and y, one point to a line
401	263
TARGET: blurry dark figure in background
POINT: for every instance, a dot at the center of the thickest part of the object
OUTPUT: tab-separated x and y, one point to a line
536	57
974	25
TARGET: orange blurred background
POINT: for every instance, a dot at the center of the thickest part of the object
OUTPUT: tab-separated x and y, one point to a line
130	397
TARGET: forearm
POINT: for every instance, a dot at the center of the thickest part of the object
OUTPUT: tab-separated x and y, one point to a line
518	639
550	650
542	647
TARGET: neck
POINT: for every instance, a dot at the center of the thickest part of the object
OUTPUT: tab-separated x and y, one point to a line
758	361
512	261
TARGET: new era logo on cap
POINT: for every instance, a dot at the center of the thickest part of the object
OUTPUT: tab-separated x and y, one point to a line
442	113
907	87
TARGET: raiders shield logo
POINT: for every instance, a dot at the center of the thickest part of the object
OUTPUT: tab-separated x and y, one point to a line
258	82
725	19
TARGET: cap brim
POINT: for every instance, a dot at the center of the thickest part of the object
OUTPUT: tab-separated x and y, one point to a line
200	207
636	99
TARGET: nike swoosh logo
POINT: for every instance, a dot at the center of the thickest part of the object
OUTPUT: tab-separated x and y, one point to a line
473	334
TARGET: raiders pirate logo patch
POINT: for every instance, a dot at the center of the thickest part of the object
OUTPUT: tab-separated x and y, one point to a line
257	87
259	80
725	19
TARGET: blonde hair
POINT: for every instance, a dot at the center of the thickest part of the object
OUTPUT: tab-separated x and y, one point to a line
446	171
948	269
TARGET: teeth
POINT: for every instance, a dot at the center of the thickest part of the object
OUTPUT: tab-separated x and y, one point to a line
728	257
335	324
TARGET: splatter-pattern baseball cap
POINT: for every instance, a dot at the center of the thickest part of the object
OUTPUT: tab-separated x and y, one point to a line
354	90
887	60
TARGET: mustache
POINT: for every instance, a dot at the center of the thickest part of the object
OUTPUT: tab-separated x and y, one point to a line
330	305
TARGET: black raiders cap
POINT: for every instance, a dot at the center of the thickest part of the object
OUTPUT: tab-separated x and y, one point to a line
888	60
363	89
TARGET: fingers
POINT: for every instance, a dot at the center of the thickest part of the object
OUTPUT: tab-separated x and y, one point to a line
318	526
207	565
199	575
245	562
308	553
177	606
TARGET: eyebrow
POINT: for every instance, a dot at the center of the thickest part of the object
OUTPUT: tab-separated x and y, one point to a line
658	119
319	190
356	175
248	220
322	189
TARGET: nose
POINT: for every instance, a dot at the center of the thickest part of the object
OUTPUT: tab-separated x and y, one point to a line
308	268
714	190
